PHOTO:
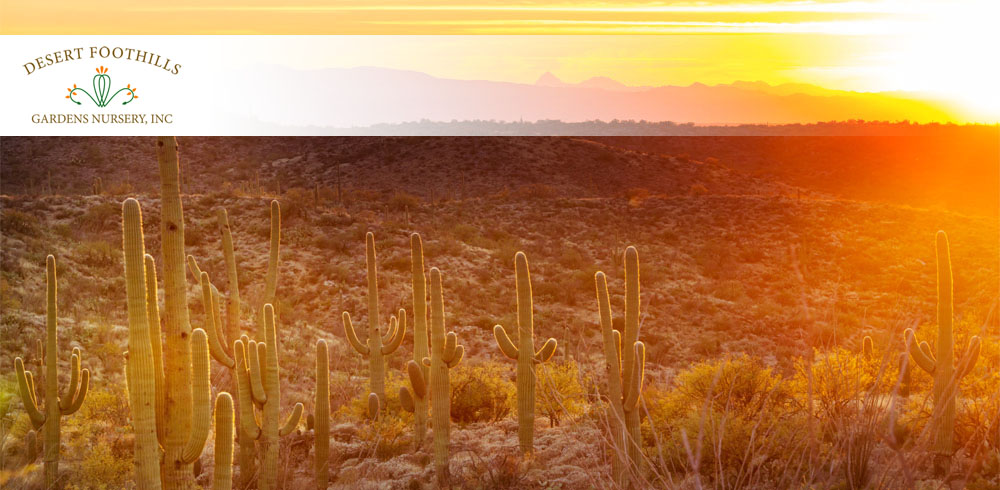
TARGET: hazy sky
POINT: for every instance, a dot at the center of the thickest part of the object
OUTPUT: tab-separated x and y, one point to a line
948	49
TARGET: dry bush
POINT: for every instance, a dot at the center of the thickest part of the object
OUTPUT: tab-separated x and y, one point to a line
481	392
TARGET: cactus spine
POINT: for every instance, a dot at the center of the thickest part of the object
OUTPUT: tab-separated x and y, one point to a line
321	418
416	401
47	417
524	354
377	346
942	366
446	353
259	383
625	369
222	478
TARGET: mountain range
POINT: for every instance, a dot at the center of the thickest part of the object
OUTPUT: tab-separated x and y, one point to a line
363	96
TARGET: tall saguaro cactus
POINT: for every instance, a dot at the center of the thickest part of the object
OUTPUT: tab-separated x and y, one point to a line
941	366
321	418
524	353
420	339
56	405
175	370
625	368
377	346
259	382
446	353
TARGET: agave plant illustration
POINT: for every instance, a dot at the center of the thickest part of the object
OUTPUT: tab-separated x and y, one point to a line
102	87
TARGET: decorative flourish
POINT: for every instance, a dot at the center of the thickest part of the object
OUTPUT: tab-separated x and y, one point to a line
102	87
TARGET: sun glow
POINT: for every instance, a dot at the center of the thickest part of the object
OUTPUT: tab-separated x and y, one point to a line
944	50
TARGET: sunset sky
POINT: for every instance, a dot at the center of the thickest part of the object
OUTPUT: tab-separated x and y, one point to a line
947	50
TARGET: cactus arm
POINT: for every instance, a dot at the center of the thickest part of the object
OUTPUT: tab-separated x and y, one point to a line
546	352
80	395
450	345
156	345
220	331
262	365
201	394
406	400
248	422
399	334
503	342
211	329
634	381
271	285
389	332
256	381
919	356
30	381
968	360
66	399
292	421
222	478
612	348
352	336
456	357
867	347
373	406
417	379
193	267
27	397
233	305
925	348
631	333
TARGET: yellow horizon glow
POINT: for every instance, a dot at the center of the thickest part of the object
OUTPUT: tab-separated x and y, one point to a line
940	49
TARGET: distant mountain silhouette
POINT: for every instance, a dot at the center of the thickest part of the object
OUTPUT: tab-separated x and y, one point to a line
365	96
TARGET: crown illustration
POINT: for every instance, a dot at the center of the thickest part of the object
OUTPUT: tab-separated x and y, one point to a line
102	87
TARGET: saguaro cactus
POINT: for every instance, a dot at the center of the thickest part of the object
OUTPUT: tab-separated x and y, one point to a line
147	395
625	369
446	353
941	366
420	340
222	479
524	354
376	346
47	417
259	383
181	394
321	417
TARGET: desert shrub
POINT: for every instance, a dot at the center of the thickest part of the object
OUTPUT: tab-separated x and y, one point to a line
293	204
536	191
98	442
388	435
97	254
736	416
481	392
401	201
14	221
559	392
730	290
698	190
100	217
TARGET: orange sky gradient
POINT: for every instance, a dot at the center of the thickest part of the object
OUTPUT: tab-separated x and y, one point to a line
944	50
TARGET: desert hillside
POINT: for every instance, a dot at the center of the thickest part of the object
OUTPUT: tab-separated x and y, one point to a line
741	273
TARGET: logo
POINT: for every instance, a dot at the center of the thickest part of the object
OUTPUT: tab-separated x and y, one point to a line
102	95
